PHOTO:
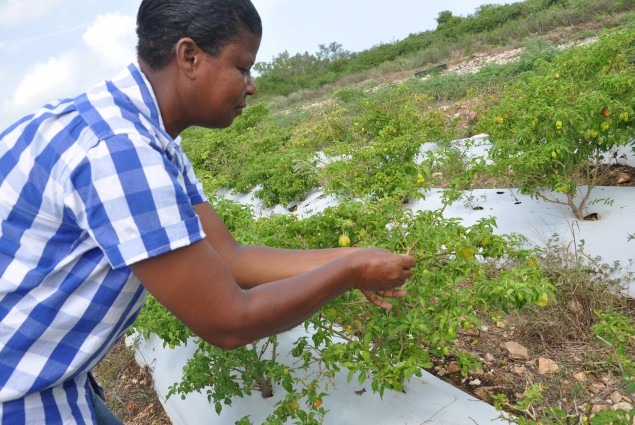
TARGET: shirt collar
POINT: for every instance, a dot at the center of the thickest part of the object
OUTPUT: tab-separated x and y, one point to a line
133	83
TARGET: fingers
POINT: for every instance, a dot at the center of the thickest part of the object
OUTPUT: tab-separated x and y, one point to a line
405	274
408	261
392	293
374	297
383	304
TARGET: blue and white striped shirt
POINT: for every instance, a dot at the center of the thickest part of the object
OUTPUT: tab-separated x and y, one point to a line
88	186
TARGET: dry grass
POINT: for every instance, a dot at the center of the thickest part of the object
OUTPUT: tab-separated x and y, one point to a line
130	388
588	378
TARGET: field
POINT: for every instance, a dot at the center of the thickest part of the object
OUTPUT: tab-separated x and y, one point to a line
475	291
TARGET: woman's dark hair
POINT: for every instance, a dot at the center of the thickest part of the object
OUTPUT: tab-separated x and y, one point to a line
210	23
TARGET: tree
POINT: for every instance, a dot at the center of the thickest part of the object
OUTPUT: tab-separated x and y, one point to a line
445	17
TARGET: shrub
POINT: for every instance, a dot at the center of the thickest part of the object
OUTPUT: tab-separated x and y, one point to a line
554	127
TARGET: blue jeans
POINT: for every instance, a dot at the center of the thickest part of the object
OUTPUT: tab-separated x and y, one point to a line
103	415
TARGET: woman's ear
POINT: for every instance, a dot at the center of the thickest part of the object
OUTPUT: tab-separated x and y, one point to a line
187	55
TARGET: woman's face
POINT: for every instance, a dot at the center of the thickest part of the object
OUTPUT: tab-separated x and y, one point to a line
223	83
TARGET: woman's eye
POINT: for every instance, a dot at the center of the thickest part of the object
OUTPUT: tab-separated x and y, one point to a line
246	73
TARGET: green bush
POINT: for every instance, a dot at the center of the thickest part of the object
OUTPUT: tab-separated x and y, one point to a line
554	127
458	270
375	154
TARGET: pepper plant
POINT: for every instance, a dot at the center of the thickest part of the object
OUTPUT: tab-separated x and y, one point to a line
459	271
376	151
555	127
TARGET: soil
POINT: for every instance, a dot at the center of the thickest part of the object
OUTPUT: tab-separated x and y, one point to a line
130	388
617	175
562	367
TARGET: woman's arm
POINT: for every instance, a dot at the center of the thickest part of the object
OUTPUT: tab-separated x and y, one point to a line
196	286
254	265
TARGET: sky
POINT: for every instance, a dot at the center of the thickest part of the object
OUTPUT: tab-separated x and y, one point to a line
59	48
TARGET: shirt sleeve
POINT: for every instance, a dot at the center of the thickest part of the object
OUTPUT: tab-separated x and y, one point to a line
134	201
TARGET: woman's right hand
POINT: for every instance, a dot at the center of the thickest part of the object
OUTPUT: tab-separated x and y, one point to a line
377	270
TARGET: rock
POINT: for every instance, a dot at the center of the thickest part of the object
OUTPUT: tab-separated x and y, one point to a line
442	372
475	382
622	405
596	388
546	366
580	377
623	178
472	331
482	393
516	351
599	408
489	358
615	397
520	371
453	368
576	307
